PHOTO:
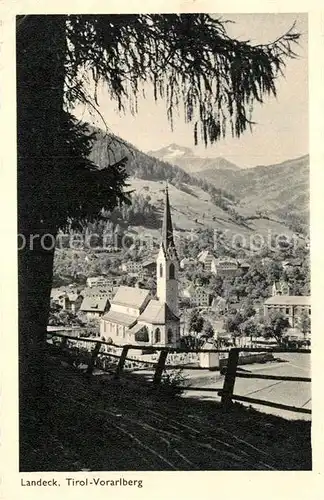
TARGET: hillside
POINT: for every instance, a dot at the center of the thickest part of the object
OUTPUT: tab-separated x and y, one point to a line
281	189
108	149
217	198
194	210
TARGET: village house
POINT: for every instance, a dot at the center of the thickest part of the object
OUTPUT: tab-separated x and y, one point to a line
225	267
97	281
131	267
220	305
289	305
197	295
68	300
280	288
149	267
94	307
100	291
207	259
243	265
135	316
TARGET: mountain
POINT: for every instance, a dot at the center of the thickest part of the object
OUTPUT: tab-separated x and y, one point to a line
272	197
109	149
281	189
191	163
171	152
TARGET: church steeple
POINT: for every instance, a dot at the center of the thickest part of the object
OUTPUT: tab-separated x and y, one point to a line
167	262
167	229
167	241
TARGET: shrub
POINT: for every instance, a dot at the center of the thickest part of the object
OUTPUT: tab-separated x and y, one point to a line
172	382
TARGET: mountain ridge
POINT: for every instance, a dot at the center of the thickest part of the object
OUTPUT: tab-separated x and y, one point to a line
279	191
185	158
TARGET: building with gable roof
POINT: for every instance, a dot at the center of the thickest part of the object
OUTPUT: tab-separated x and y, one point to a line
68	299
135	316
290	306
197	295
280	288
207	259
226	267
94	307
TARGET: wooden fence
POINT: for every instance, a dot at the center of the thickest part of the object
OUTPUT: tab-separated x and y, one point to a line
231	374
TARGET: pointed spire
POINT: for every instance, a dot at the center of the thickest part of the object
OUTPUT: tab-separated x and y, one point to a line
167	229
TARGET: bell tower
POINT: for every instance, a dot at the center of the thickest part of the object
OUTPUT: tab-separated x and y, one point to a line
167	264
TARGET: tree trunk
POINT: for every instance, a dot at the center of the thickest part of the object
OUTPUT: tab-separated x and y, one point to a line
40	47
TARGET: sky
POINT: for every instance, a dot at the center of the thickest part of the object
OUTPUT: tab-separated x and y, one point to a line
281	131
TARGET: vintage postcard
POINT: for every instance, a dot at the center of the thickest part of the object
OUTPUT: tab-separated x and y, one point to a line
166	246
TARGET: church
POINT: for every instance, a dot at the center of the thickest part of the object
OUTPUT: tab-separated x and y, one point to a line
135	316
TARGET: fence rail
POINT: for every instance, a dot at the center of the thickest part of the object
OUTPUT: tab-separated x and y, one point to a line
231	372
273	377
227	393
271	404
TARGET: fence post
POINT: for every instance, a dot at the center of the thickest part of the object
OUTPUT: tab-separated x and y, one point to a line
230	375
63	343
160	367
94	355
121	361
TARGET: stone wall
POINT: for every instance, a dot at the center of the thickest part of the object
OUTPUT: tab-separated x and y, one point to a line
249	358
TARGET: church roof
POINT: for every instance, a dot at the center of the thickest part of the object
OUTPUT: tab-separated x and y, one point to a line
157	313
136	328
131	296
119	318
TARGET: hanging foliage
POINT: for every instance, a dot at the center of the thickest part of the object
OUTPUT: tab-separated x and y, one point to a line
188	58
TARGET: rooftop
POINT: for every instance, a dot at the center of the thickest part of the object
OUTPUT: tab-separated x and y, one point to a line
94	304
136	328
131	296
120	318
157	313
289	300
99	290
226	260
148	263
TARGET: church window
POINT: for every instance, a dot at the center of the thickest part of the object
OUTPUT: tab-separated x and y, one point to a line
161	270
171	272
157	335
170	336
